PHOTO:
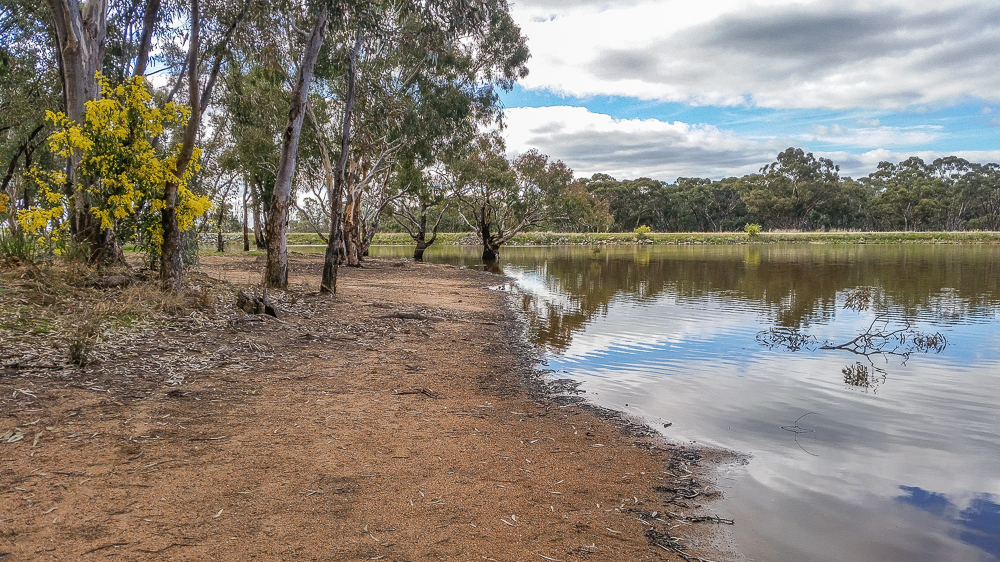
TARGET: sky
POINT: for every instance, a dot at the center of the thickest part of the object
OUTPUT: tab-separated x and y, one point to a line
717	88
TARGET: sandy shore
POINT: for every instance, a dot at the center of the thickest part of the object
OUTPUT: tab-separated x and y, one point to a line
401	420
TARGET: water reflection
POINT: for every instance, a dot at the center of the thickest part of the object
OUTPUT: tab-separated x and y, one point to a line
794	286
669	334
882	340
977	525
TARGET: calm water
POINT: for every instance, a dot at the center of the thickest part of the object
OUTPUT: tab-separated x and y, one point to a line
853	458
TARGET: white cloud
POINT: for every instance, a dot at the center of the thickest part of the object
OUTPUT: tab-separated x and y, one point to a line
630	148
777	53
872	136
592	143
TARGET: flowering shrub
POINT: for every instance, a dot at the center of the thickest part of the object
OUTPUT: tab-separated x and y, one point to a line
122	170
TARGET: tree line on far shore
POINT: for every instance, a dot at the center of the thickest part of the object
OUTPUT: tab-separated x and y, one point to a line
799	191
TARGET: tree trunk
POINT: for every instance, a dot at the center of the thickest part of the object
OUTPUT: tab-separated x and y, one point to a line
421	235
81	33
171	253
335	241
171	260
246	220
352	229
368	235
491	244
258	227
491	250
418	251
276	272
492	266
149	18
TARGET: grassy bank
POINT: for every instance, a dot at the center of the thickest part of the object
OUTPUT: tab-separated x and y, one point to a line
669	238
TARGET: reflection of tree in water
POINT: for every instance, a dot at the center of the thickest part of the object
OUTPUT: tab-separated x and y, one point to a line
796	285
866	377
879	340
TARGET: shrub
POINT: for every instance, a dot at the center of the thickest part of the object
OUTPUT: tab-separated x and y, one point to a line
122	169
752	229
17	247
642	232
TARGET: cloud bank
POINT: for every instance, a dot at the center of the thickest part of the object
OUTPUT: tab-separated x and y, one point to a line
775	54
630	148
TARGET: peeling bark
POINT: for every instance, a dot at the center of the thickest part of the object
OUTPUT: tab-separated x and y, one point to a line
276	272
81	34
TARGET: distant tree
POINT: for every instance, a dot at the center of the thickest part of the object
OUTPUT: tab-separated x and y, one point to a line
981	187
908	195
575	209
421	208
796	191
714	206
632	203
498	198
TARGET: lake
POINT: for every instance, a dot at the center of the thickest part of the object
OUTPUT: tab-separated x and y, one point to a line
888	452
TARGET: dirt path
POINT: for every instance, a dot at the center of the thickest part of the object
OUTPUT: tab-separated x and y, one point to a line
341	432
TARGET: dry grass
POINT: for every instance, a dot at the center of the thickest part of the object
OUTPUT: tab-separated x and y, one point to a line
63	306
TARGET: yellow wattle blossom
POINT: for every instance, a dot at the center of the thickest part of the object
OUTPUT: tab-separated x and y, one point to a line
123	172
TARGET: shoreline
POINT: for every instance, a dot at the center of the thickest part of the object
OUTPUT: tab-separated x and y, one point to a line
690	238
345	430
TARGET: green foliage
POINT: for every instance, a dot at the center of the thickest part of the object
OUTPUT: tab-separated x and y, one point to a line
797	191
642	232
17	247
752	230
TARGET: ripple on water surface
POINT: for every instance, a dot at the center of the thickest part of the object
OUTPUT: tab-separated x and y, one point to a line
890	457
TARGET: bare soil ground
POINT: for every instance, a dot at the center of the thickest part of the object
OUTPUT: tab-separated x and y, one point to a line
342	431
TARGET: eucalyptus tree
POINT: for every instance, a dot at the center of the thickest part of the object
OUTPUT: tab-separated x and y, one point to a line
961	194
575	209
421	208
908	195
276	272
499	198
253	105
487	190
633	203
416	73
80	35
135	28
221	28
715	206
794	191
29	86
982	188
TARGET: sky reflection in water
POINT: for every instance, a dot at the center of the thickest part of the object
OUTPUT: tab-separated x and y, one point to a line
898	465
